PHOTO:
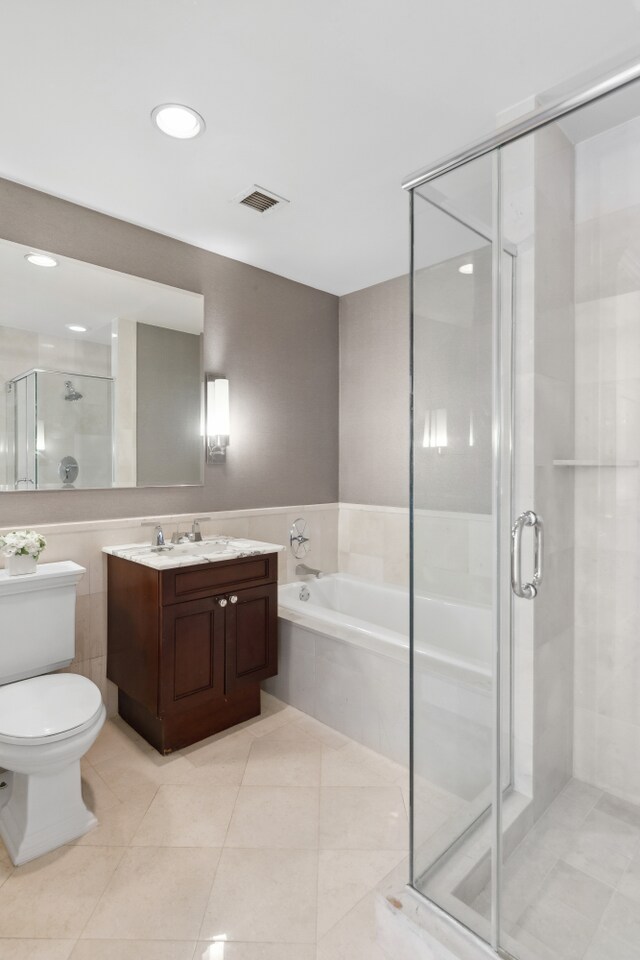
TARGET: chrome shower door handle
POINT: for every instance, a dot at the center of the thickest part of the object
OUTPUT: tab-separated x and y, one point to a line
527	591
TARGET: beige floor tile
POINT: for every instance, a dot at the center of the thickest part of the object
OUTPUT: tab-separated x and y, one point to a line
115	739
354	937
55	895
397	878
345	877
187	816
283	764
133	950
226	950
282	817
136	775
116	826
225	751
273	720
156	893
97	795
6	866
36	949
263	896
339	770
292	731
362	818
325	735
271	704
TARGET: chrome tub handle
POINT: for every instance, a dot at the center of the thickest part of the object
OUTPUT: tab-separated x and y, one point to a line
527	591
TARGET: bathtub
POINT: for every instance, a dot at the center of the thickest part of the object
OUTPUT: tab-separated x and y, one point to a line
344	659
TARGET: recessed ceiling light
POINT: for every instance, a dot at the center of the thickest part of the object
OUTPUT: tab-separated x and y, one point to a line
466	268
75	328
178	121
41	260
114	336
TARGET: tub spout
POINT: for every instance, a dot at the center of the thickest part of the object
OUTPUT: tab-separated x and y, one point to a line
302	570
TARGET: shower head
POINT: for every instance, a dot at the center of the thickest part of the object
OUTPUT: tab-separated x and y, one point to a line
70	391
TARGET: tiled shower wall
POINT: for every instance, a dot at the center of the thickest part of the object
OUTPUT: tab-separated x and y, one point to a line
607	397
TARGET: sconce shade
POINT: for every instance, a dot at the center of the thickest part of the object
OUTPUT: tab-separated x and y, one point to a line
217	419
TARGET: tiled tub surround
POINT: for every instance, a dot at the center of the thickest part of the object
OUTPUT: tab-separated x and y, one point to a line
344	659
83	543
453	556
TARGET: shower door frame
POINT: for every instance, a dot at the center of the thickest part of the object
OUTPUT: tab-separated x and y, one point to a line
503	422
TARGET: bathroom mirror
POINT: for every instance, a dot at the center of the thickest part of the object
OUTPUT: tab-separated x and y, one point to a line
101	376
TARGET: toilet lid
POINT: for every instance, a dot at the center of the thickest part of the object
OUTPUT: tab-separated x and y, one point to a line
47	706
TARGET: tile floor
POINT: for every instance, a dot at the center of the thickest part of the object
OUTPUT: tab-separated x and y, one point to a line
572	887
265	843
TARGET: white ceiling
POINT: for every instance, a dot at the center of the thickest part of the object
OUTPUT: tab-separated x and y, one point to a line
327	103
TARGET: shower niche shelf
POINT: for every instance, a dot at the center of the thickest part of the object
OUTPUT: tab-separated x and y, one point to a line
596	463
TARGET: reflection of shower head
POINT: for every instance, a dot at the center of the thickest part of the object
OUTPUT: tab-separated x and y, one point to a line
71	393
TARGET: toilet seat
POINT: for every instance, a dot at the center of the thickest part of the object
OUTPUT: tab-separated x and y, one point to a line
47	708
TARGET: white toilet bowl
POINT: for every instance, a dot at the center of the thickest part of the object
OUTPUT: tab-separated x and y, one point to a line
47	723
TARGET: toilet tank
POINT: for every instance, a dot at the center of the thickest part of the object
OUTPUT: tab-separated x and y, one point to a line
37	620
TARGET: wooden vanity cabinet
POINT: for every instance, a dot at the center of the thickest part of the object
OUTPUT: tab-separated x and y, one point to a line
188	647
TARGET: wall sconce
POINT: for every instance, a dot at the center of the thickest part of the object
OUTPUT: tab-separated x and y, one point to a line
217	419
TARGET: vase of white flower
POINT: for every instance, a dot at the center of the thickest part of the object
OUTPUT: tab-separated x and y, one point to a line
22	549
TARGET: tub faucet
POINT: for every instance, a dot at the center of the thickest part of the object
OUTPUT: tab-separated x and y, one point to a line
302	570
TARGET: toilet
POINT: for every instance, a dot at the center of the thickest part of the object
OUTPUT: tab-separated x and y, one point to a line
48	720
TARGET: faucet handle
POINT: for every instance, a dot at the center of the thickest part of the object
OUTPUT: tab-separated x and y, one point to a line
196	535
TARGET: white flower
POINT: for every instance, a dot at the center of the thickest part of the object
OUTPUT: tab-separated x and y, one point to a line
23	543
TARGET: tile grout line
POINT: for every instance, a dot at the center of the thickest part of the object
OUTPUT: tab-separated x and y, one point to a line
108	881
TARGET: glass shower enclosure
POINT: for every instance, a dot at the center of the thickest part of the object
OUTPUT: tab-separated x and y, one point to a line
525	514
60	431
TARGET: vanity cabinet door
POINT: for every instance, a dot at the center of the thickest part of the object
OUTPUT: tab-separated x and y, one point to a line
251	636
193	650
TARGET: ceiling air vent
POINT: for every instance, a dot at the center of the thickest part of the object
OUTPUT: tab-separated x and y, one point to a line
259	199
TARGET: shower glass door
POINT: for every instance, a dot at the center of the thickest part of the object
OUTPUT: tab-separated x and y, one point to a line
526	538
455	518
62	430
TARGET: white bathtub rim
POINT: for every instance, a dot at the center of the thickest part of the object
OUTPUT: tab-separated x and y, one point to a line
379	640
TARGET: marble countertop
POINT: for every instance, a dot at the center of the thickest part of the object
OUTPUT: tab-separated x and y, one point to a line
209	550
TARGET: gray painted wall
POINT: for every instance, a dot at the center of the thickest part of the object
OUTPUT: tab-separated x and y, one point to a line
168	398
374	394
276	341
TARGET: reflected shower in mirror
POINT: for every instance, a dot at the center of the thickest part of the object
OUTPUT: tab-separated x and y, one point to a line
101	374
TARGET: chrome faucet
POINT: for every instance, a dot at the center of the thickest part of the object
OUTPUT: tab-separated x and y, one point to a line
157	539
302	570
177	537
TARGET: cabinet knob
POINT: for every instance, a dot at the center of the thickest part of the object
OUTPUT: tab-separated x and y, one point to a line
222	602
233	598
